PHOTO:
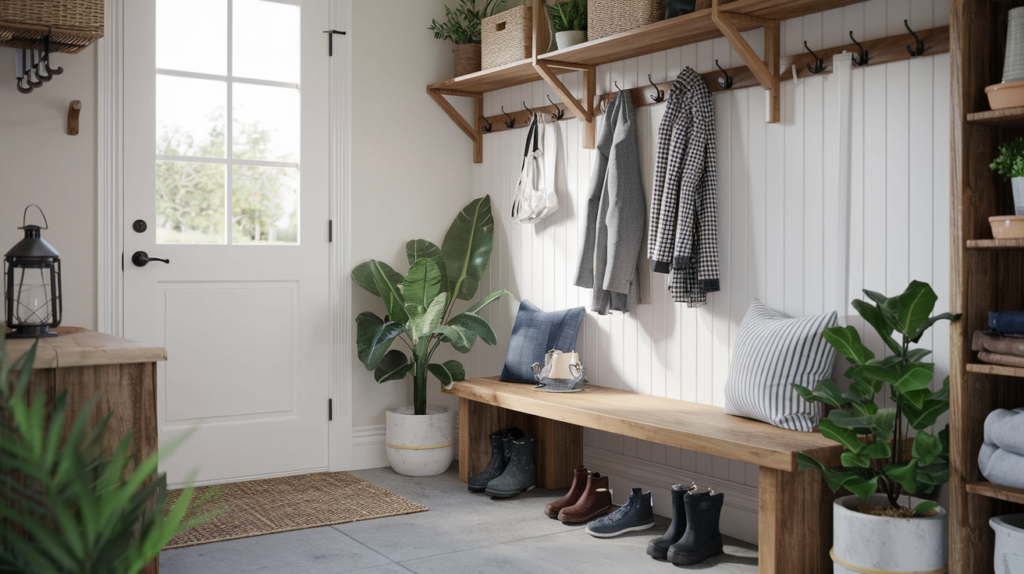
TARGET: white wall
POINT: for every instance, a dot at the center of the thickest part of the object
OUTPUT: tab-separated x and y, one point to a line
777	205
409	178
40	163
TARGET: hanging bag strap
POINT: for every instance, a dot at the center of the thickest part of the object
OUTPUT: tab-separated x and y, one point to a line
531	141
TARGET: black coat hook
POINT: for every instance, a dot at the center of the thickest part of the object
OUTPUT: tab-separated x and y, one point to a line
559	113
862	59
725	82
487	128
511	123
52	71
660	94
920	43
617	86
819	64
527	108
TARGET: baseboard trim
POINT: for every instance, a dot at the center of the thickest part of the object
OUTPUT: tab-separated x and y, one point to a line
368	450
739	517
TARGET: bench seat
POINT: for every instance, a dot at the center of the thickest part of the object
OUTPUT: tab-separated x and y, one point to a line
794	508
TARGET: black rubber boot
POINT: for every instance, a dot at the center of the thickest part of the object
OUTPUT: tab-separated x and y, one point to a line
658	548
499	460
521	473
702	539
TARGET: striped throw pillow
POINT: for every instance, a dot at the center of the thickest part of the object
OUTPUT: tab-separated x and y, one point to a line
771	353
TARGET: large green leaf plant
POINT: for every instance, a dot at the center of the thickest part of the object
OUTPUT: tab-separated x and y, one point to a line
420	305
67	506
879	453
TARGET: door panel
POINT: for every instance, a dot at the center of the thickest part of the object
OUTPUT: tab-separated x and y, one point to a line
226	161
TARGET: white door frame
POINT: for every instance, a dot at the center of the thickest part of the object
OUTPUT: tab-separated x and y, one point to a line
110	191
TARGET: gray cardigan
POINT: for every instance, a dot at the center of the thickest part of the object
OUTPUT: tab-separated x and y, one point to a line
616	215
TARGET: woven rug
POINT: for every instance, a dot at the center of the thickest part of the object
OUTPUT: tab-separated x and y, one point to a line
272	505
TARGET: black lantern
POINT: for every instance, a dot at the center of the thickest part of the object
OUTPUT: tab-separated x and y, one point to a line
32	293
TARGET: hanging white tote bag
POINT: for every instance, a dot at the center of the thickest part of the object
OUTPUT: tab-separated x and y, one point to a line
534	198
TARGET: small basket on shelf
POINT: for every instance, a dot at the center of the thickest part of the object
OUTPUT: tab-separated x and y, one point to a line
610	17
507	37
71	25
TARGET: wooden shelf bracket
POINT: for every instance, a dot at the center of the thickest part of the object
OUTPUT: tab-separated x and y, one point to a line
584	111
474	131
766	72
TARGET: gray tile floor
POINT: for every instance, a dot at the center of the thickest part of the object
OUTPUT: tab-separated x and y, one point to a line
462	533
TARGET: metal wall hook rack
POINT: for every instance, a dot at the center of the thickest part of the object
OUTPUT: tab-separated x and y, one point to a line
527	108
32	67
487	125
659	94
559	113
819	64
919	50
511	122
863	58
727	81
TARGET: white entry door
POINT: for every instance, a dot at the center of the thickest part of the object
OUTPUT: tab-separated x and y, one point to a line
226	178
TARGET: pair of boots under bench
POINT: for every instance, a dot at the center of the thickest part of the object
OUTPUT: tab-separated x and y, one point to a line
588	498
693	535
511	469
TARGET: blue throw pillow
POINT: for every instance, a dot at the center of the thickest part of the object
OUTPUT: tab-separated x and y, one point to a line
534	334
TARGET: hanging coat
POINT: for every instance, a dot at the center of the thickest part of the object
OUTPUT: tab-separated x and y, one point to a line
684	206
616	215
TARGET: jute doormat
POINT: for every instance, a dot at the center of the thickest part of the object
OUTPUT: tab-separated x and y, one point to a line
290	503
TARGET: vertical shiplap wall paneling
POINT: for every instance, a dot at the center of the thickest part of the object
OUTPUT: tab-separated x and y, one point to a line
778	203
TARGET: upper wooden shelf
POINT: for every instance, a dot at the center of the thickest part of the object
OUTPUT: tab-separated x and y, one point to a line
988	369
995	243
995	491
664	35
1010	117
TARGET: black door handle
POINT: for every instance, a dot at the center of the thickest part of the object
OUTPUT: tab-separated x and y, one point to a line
141	258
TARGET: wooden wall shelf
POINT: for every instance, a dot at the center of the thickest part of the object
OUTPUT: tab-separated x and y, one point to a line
1008	118
990	490
995	243
987	369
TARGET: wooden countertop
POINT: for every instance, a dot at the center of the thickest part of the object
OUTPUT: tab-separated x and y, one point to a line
78	347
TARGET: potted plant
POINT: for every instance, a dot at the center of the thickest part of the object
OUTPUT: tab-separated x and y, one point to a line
420	313
1010	164
463	29
881	527
569	22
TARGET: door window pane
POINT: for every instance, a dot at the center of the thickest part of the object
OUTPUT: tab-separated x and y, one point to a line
266	41
192	36
190	116
266	123
265	205
190	202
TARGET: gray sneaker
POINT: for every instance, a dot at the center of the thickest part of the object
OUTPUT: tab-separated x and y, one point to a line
636	514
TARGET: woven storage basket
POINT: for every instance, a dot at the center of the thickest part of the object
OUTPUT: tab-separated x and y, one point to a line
610	17
71	24
507	37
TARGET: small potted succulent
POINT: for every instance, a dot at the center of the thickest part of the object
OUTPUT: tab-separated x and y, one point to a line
1010	164
569	22
891	523
463	29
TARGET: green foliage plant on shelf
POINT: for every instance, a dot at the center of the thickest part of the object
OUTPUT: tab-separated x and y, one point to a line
1010	163
568	16
875	455
420	305
66	506
463	25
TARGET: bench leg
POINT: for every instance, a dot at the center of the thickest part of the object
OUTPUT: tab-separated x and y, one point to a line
794	522
558	447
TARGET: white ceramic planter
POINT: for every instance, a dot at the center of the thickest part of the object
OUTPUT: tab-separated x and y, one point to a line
570	38
1018	195
421	445
887	544
1009	557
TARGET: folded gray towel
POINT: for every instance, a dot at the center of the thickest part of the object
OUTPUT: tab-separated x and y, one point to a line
1001	466
1005	429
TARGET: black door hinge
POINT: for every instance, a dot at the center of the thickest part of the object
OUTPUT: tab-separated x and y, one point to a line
330	40
330	231
330	409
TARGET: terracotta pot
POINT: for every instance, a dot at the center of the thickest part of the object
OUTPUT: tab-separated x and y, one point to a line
1007	95
467	59
1007	226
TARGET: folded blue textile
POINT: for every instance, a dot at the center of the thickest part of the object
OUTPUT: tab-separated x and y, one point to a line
1006	321
1005	429
1001	466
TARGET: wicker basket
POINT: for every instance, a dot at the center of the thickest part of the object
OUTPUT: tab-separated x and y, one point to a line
507	37
467	59
610	17
71	24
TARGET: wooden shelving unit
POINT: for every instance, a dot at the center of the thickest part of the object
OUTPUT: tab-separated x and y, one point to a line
986	275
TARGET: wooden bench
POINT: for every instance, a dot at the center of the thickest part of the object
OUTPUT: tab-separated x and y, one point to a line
795	508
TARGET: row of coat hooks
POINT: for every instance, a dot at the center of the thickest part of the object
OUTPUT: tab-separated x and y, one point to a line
881	51
32	67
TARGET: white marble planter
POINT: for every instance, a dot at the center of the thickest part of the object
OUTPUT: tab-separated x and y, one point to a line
887	544
570	38
1009	557
421	445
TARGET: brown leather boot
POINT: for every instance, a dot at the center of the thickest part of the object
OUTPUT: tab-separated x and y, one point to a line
596	501
579	482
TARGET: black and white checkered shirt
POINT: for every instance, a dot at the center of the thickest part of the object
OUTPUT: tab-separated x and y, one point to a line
684	208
